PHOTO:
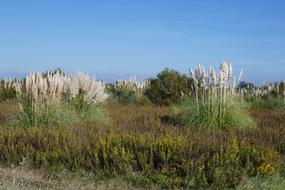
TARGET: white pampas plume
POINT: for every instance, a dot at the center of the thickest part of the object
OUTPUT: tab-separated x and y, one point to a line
212	76
230	75
226	69
132	84
93	91
240	74
50	88
192	75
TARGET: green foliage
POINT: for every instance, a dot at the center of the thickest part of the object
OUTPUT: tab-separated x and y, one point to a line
6	92
267	102
128	96
124	95
210	114
58	70
273	182
246	85
168	87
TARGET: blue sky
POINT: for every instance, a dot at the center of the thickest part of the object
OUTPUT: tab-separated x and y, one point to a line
116	38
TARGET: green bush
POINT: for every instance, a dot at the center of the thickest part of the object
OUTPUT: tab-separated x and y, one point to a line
246	85
128	96
124	95
168	87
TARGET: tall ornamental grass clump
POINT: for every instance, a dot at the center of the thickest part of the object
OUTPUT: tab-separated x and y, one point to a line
215	102
130	91
43	99
85	94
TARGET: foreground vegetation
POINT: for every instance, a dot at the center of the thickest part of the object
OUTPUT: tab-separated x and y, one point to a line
146	149
173	131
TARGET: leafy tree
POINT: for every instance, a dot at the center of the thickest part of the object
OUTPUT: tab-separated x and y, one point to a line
58	70
168	87
246	85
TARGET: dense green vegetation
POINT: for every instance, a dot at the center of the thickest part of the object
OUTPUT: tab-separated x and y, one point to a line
168	87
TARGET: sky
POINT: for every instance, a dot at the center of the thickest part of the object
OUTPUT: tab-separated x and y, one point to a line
119	38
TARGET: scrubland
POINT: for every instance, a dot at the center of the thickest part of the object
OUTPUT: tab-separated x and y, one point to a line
206	130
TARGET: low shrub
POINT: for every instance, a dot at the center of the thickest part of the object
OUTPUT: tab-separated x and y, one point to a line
128	96
170	160
124	96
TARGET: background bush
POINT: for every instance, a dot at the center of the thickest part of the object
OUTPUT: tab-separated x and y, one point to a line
168	87
124	95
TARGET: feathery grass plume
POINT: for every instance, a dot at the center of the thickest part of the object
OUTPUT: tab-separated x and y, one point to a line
132	83
91	90
85	95
40	100
217	103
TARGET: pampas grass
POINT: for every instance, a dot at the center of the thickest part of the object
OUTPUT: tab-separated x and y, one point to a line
217	102
85	95
43	99
266	96
130	91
